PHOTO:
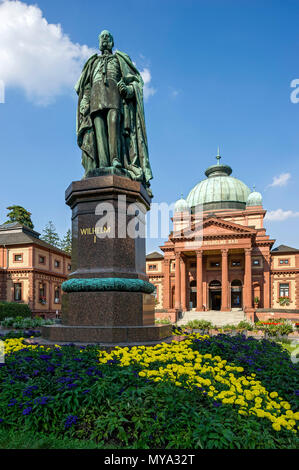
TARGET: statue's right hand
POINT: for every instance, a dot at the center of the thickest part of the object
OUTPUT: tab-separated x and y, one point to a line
84	109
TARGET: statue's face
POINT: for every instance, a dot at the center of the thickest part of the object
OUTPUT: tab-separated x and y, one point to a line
106	41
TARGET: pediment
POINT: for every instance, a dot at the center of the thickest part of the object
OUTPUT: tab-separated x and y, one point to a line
214	227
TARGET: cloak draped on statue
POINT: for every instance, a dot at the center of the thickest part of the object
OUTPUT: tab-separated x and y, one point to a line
133	131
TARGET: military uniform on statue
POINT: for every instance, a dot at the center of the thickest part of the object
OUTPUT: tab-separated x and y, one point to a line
107	298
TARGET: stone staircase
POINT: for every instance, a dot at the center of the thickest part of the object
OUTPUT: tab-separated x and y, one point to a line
214	316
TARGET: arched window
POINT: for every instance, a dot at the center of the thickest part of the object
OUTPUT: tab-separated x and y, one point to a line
215	283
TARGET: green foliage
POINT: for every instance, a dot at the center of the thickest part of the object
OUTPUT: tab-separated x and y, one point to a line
200	324
19	214
30	440
66	242
284	301
163	321
276	330
229	327
50	235
244	325
267	359
23	323
13	309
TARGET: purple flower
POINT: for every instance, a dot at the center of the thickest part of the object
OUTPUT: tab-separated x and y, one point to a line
216	404
70	420
45	357
72	385
27	411
12	402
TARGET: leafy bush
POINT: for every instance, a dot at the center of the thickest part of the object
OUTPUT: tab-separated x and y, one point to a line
13	309
199	325
24	323
229	327
275	330
244	325
163	321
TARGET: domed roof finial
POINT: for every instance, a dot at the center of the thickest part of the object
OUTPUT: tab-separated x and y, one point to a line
218	156
254	187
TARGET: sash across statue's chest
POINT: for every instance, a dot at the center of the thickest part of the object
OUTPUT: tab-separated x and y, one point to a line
104	90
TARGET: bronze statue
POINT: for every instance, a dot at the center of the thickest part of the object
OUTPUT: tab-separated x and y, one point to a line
110	119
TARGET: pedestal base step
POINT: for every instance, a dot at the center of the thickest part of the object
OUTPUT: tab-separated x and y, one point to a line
106	335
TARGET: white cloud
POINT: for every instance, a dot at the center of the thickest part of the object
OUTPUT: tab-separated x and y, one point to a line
280	180
36	56
146	77
280	214
39	57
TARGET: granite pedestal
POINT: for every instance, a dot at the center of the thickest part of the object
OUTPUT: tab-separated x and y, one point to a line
107	297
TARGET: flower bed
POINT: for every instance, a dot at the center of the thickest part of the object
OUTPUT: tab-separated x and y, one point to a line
201	392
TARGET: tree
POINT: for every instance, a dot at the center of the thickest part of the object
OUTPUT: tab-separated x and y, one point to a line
66	242
50	235
19	214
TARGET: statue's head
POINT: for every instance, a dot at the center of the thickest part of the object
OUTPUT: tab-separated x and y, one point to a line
106	41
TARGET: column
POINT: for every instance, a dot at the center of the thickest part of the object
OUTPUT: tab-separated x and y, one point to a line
183	283
248	279
166	284
224	280
199	297
267	285
177	281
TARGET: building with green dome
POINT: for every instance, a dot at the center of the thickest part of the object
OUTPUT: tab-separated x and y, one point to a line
219	256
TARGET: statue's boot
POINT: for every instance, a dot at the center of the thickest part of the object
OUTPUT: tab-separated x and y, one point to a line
116	163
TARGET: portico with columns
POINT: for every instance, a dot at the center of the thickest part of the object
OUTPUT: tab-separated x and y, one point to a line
219	256
216	272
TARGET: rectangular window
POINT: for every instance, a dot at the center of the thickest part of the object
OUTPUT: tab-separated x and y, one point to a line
283	261
69	267
256	262
42	260
17	291
192	265
57	263
42	293
236	262
215	264
18	257
284	290
152	267
57	295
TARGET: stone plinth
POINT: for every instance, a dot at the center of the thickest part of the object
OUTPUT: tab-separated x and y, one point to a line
107	298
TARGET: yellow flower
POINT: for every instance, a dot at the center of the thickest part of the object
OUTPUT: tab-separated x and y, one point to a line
276	426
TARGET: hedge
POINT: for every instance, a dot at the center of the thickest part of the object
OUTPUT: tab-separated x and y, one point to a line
12	309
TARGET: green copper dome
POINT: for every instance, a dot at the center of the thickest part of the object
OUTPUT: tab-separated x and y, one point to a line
254	199
219	190
181	205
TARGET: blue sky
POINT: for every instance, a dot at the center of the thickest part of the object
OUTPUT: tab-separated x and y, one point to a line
217	73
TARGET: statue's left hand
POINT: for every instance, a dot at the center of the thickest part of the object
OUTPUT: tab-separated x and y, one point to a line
123	89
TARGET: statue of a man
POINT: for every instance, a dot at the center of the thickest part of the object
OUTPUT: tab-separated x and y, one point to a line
110	119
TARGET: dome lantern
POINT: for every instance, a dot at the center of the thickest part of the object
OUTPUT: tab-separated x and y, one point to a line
219	190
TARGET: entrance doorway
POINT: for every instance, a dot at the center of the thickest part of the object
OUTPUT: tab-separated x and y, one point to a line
193	295
215	295
236	294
